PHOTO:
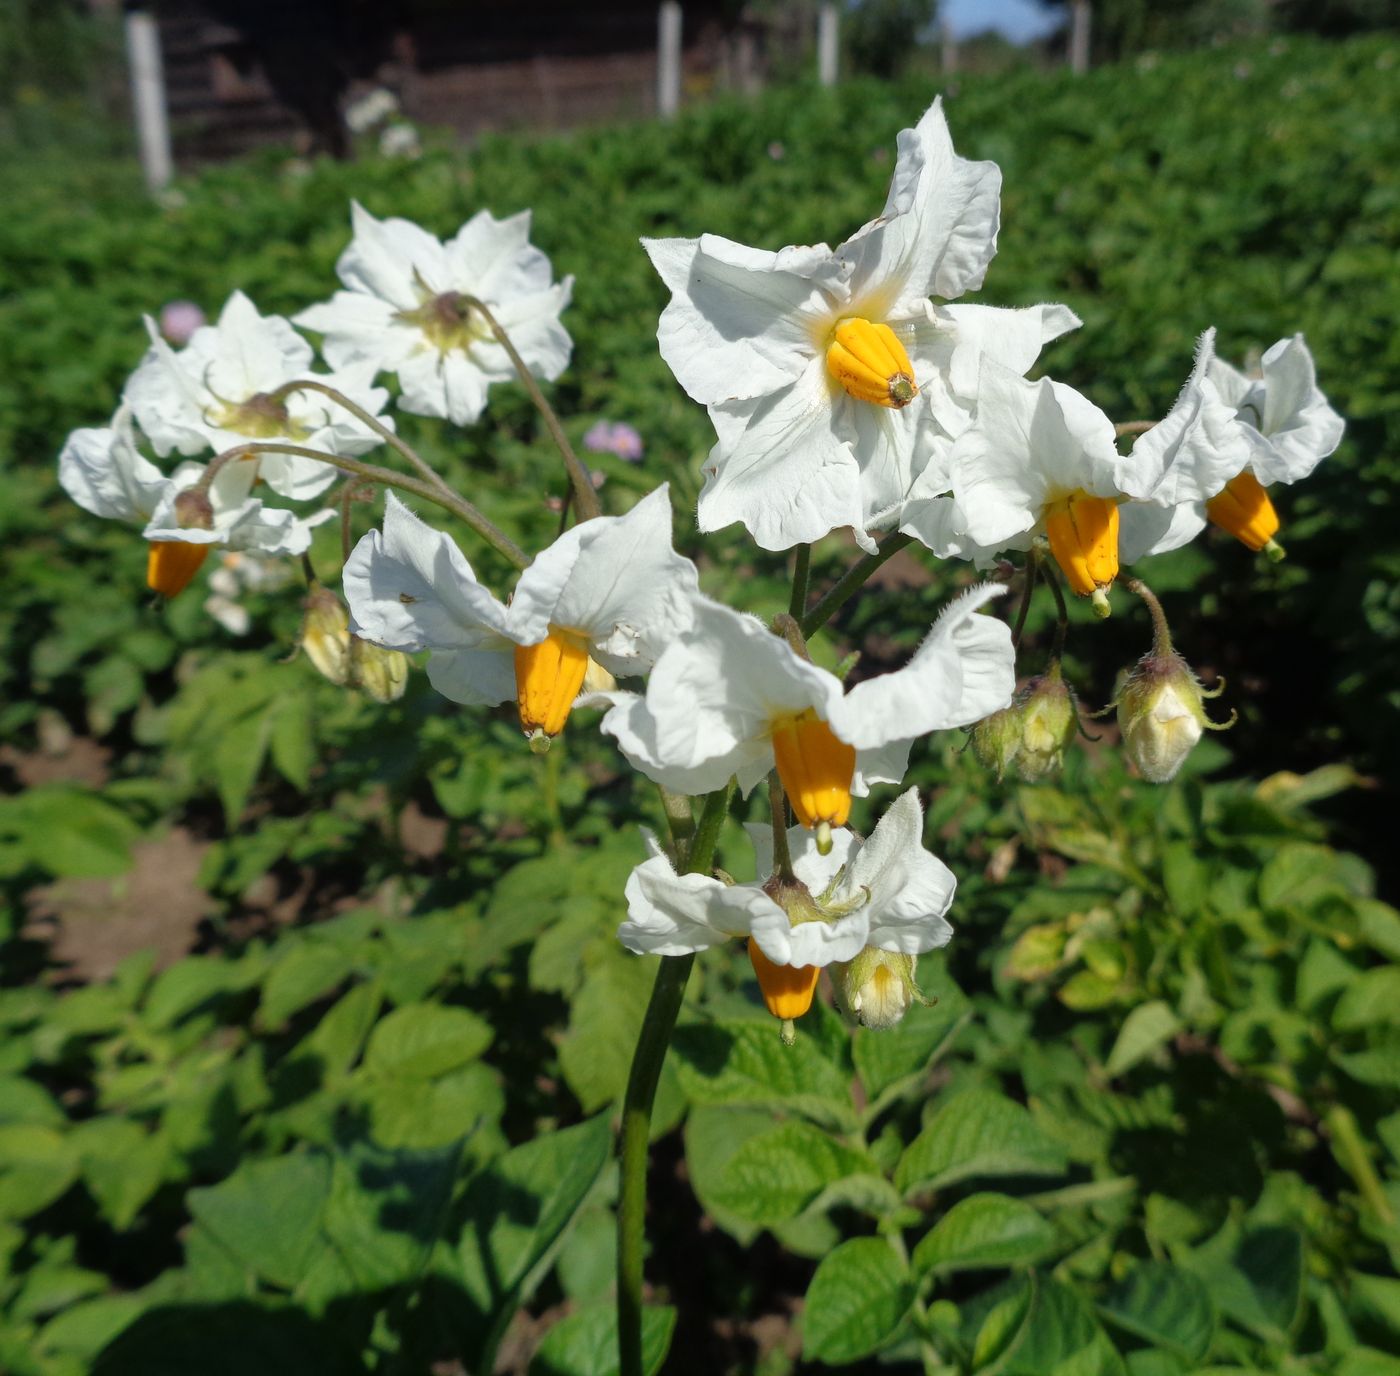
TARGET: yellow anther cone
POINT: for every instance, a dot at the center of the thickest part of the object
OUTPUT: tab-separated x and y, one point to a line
815	768
548	677
170	564
1083	534
1244	510
787	989
868	360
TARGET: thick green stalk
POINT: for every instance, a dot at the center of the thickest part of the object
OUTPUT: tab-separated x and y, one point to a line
652	1042
851	582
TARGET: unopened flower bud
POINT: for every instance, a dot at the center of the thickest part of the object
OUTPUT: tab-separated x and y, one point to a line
1048	721
878	986
193	510
325	634
1161	709
381	673
996	740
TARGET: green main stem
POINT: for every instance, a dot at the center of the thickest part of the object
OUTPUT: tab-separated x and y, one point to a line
652	1043
851	582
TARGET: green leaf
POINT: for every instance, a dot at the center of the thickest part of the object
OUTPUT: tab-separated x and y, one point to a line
517	1207
912	1046
23	1100
1254	1276
1373	997
268	1214
300	976
338	1038
236	759
85	1329
37	1165
585	1344
292	741
1061	1335
1298	875
425	1040
68	832
978	1133
747	1063
189	984
1149	1026
981	1231
1163	1305
856	1302
123	1166
775	1175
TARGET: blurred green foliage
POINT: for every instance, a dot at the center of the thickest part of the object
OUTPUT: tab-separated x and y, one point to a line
1152	1123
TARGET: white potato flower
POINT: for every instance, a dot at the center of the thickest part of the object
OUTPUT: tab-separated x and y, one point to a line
610	590
105	473
829	376
403	310
216	393
730	699
886	892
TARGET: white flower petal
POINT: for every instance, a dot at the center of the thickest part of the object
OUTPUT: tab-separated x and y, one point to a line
411	588
672	914
964	670
617	580
1301	427
389	258
494	260
938	231
104	472
788	477
1144	529
361	329
741	322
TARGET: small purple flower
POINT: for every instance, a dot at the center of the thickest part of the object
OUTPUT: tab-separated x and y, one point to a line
179	320
614	437
776	151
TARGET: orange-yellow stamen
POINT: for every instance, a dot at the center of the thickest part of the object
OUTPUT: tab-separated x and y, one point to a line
815	768
1083	533
170	564
1244	510
787	989
548	677
868	360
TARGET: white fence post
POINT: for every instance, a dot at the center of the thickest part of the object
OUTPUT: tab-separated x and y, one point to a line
1079	22
668	58
148	98
828	43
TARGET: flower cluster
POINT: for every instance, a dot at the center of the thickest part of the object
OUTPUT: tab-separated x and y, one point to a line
850	389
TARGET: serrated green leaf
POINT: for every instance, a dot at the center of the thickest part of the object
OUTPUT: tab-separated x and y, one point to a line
856	1302
1163	1305
984	1230
424	1040
1148	1027
775	1175
884	1056
978	1133
123	1166
585	1344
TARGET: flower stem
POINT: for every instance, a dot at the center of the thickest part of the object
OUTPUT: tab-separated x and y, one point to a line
851	581
801	577
1052	579
585	497
657	1026
1027	593
373	422
1161	634
777	802
382	477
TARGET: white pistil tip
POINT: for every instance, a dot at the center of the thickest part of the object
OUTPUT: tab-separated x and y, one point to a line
823	838
539	742
788	1032
1101	604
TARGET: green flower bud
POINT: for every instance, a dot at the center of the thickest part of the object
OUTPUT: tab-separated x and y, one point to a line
1048	721
325	634
878	986
996	740
381	673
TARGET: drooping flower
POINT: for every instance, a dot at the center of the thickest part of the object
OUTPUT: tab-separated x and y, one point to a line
1290	428
217	392
404	310
106	474
610	590
729	698
1038	458
886	892
828	375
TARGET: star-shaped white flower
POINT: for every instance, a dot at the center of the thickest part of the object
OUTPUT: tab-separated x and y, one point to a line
829	374
215	393
887	893
729	698
611	590
403	313
104	471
